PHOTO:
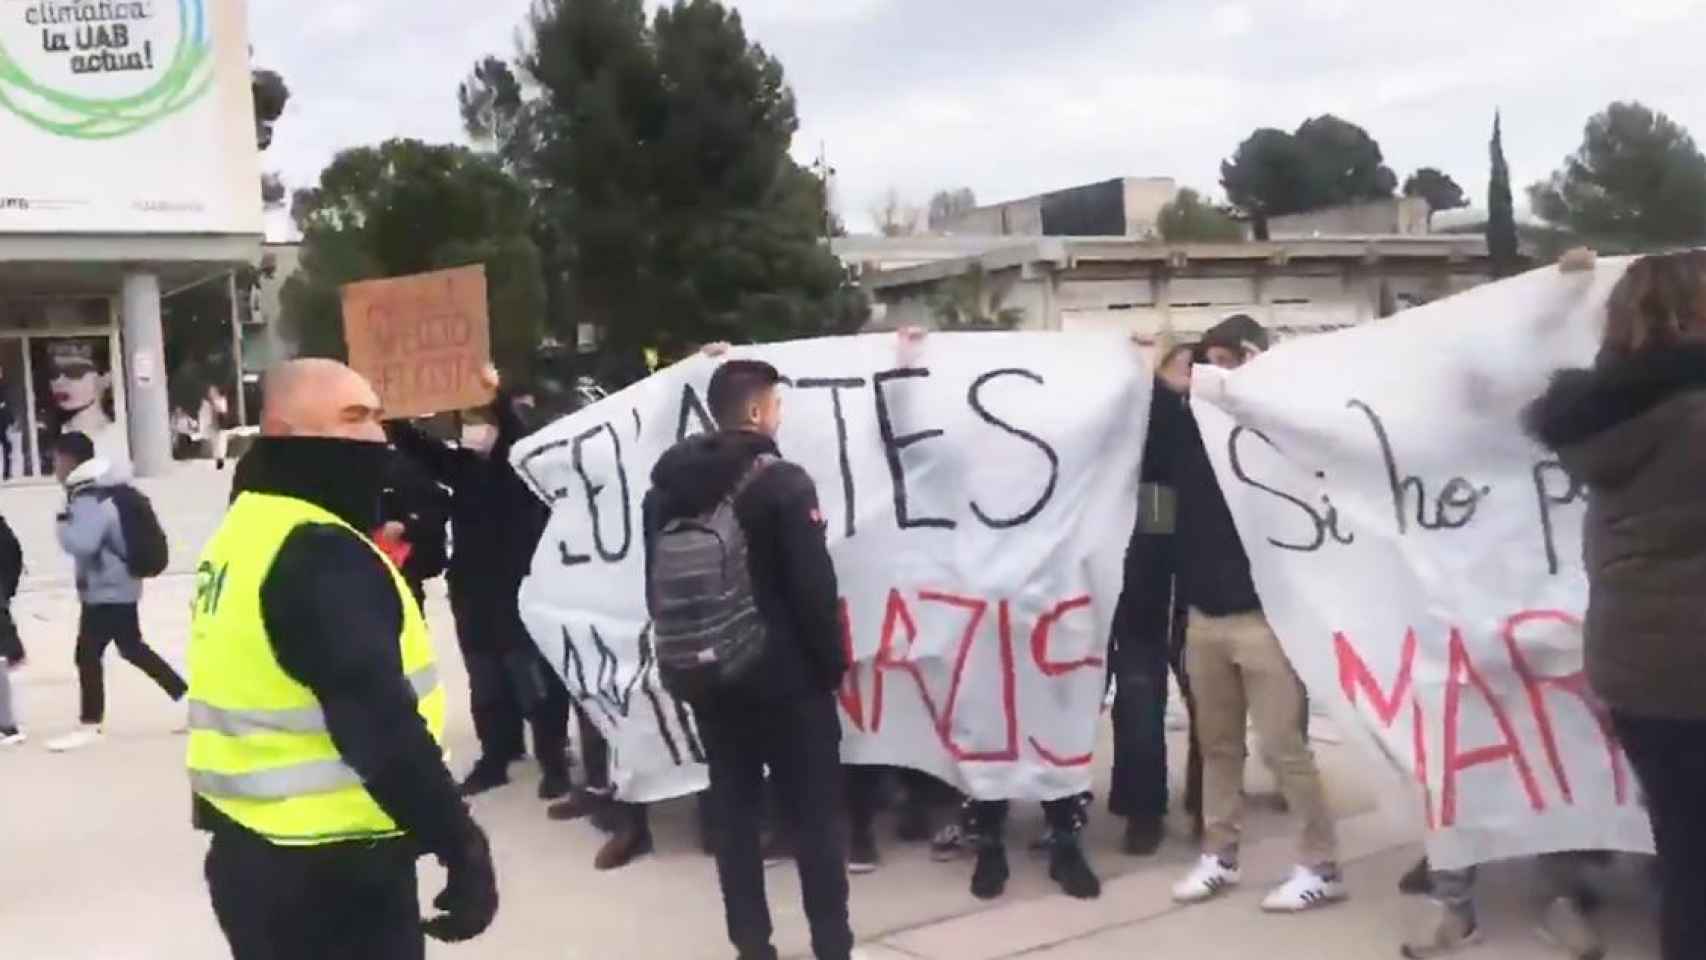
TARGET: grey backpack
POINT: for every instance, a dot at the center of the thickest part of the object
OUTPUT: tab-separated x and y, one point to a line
706	628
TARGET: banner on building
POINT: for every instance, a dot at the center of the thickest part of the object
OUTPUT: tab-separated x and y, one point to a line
127	116
1420	558
978	492
421	340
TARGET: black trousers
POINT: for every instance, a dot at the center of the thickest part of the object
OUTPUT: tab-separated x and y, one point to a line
1148	638
117	625
1670	760
341	902
508	692
800	743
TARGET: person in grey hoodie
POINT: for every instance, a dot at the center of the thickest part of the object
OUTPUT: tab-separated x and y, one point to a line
89	530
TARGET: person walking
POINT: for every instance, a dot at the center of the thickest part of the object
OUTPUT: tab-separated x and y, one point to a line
766	697
316	710
11	645
495	526
213	419
1238	672
1632	429
108	590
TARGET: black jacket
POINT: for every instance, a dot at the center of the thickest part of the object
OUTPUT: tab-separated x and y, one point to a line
1214	570
413	498
495	520
334	618
793	578
1145	611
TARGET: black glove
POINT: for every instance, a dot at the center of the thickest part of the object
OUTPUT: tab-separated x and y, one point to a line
470	898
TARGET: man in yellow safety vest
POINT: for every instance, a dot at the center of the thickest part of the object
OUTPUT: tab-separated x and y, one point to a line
316	711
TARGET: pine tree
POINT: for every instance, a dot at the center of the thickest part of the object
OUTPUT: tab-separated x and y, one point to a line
1501	214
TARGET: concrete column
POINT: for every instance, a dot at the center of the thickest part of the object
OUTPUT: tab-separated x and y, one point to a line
145	370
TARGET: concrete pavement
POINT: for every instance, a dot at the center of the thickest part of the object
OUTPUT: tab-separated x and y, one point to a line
99	862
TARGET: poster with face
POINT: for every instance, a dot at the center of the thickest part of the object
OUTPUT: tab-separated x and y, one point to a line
74	393
16	445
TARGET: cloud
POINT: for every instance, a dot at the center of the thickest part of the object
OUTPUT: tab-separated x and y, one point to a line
1011	97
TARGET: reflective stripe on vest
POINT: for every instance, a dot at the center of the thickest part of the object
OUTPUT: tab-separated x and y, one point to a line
259	750
239	723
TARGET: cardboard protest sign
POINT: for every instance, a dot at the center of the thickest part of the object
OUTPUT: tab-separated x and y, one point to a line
978	492
421	340
1420	558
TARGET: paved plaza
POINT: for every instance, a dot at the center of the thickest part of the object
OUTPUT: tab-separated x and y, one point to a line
100	862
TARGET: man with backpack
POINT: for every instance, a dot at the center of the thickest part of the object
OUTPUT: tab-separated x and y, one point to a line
747	630
115	540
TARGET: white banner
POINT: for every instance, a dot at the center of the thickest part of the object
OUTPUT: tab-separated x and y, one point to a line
979	494
1420	558
124	116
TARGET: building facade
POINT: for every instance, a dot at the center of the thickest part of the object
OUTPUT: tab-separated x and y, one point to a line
127	177
1153	290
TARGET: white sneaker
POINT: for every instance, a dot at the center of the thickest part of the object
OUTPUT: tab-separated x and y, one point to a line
1210	879
76	740
1306	890
12	737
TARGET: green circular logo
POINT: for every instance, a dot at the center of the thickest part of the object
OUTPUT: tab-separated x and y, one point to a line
71	67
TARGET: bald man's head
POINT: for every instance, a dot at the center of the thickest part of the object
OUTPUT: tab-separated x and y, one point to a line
320	398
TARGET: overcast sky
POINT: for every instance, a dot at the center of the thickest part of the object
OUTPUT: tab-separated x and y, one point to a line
1015	97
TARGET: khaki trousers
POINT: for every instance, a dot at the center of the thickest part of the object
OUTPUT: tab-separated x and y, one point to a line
1237	669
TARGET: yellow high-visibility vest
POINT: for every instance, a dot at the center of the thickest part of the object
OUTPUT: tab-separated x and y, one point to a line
259	751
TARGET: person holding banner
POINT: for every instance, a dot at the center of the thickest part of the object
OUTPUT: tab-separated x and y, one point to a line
1239	672
496	523
1632	429
1148	634
779	711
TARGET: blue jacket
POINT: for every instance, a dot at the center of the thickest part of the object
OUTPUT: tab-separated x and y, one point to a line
89	531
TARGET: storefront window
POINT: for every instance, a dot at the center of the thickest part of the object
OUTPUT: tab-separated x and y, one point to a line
57	375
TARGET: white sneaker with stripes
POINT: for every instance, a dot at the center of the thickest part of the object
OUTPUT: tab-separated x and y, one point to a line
1210	879
1306	890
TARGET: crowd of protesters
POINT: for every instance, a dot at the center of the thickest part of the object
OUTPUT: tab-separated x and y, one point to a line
1632	428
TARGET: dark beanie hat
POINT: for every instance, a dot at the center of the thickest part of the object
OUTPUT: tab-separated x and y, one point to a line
1235	331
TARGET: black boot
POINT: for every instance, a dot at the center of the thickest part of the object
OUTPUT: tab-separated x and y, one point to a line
489	773
1143	835
1067	867
989	877
555	785
862	855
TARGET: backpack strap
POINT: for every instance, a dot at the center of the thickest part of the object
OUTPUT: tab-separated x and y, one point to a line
760	463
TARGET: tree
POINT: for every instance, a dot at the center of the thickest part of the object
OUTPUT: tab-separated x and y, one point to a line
490	103
1637	182
1191	219
894	216
948	204
271	96
1439	190
1328	161
971	301
407	207
656	152
1501	213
